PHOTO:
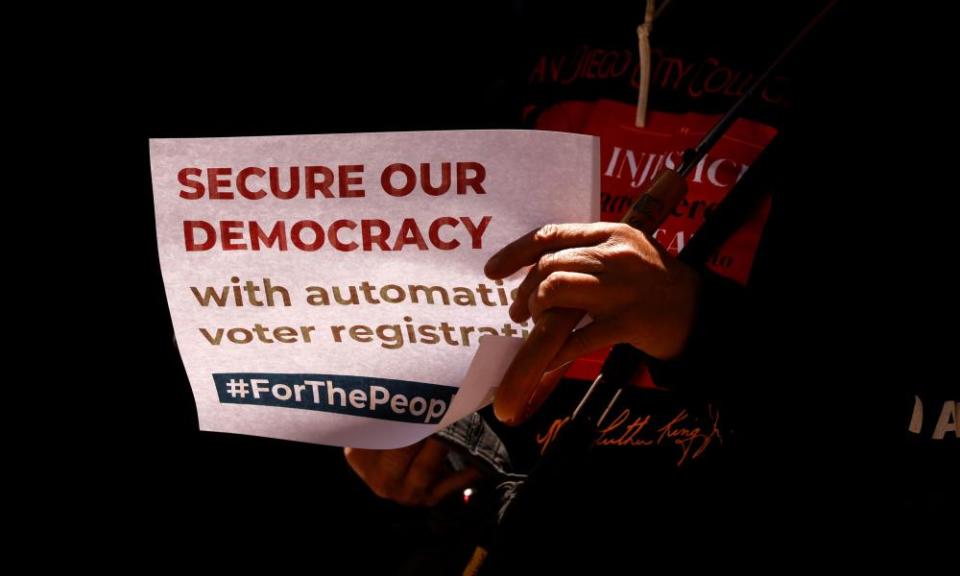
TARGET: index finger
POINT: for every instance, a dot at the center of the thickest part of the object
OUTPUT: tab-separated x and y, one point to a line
527	249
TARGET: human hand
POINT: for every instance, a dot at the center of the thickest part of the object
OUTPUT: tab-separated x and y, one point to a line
416	475
634	291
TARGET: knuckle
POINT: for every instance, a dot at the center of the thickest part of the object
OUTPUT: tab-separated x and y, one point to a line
546	233
620	230
591	258
549	288
628	235
619	253
547	262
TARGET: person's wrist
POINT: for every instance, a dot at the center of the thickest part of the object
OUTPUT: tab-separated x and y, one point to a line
679	314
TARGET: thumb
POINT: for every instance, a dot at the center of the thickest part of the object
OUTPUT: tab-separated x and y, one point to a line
595	336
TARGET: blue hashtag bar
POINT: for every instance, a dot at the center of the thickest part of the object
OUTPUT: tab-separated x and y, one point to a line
384	398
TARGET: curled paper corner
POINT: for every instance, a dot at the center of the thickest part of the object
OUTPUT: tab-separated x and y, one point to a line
487	368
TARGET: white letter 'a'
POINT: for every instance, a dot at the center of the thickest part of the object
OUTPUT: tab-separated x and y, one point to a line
948	421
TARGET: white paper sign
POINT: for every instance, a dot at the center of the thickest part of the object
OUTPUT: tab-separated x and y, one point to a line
330	288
